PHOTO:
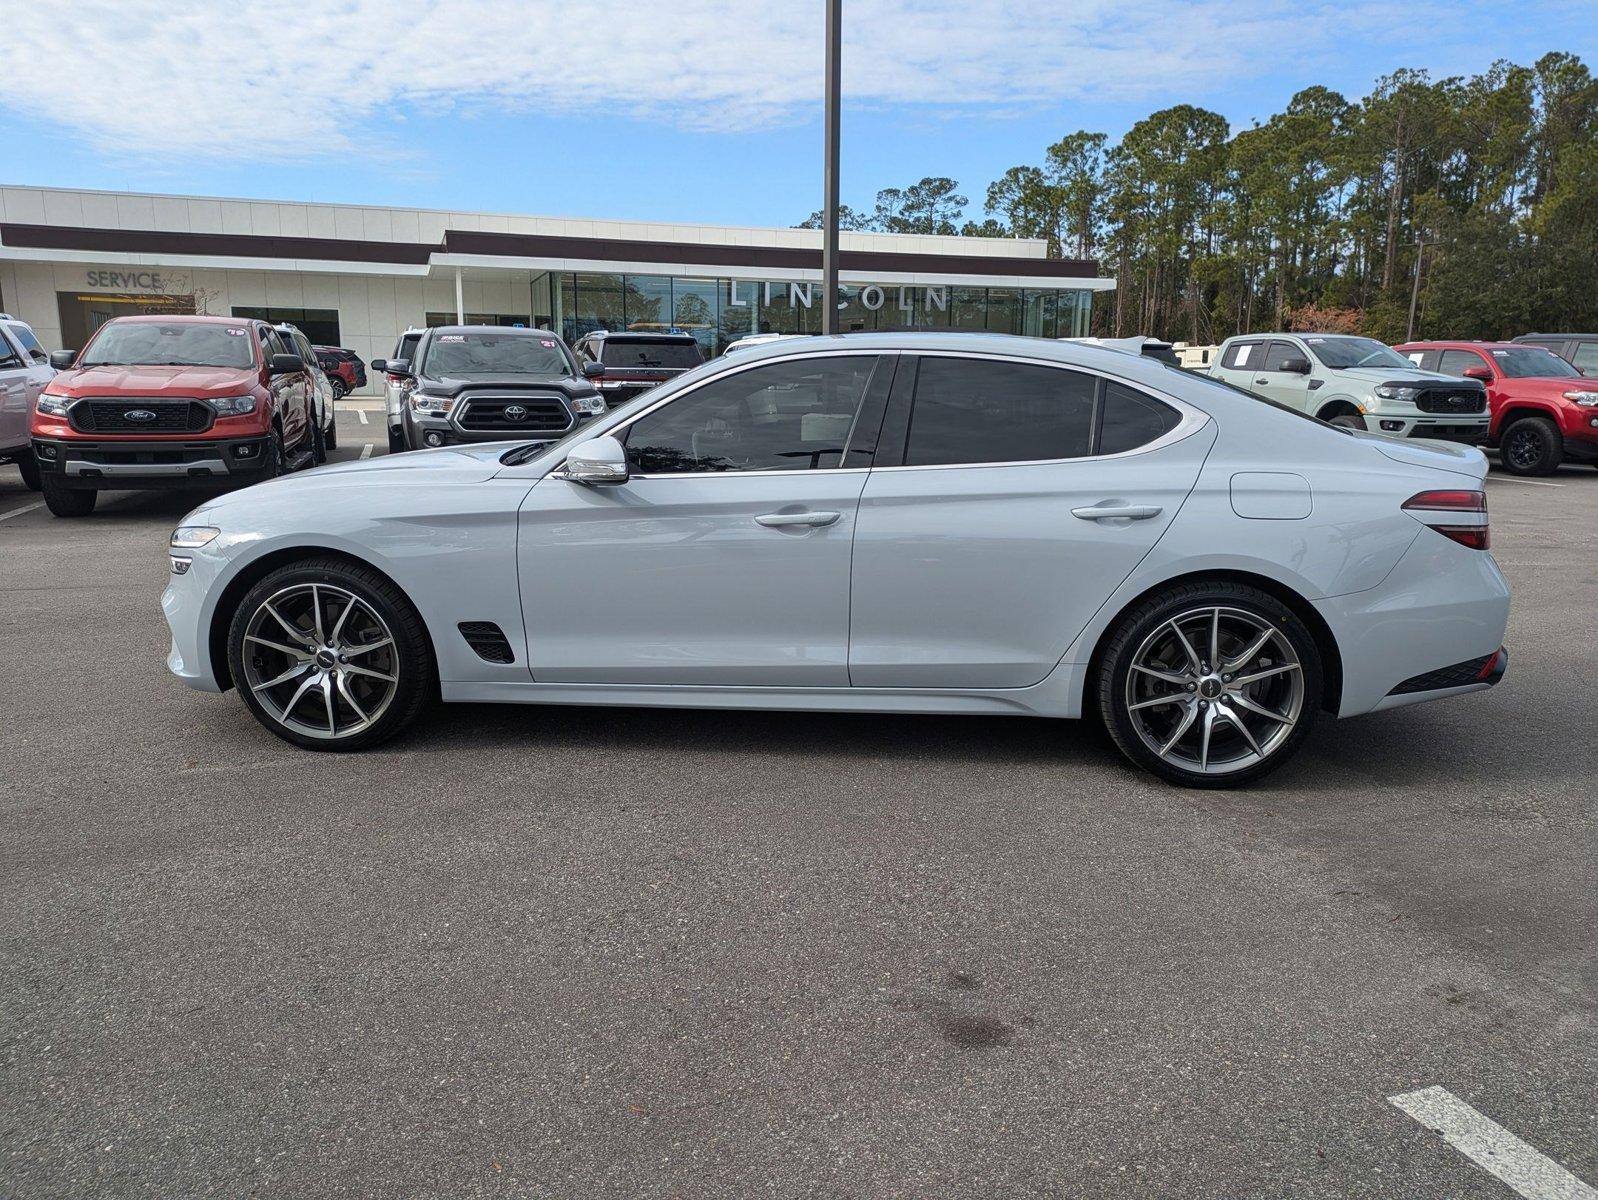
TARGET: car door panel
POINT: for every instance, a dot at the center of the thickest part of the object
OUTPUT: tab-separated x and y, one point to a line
690	579
1285	387
980	577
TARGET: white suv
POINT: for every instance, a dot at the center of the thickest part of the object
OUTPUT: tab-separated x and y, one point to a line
395	387
24	370
1357	382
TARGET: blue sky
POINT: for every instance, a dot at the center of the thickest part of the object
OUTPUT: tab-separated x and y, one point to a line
710	114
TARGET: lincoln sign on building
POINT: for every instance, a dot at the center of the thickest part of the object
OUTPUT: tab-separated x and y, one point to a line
358	277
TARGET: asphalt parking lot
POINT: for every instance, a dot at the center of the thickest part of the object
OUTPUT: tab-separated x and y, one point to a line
582	952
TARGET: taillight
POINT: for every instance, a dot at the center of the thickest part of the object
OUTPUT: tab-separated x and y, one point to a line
1441	510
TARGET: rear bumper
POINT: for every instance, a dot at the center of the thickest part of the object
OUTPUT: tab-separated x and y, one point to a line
90	464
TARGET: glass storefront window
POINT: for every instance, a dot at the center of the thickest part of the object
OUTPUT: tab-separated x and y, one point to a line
719	311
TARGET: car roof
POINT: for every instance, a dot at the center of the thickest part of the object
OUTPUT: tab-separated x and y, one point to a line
639	335
508	330
1442	344
195	318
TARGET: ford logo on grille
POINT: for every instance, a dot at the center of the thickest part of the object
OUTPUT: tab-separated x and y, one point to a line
513	412
138	414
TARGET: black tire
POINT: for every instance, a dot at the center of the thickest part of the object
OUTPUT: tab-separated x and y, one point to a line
340	388
330	434
1144	625
28	466
416	673
276	464
396	441
1347	421
318	446
67	502
1531	446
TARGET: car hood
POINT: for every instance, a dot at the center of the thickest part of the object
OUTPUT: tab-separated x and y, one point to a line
451	464
1548	387
1422	452
1400	375
445	385
156	381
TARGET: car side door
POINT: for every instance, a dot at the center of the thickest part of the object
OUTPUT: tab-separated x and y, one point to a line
1009	500
1275	382
289	391
724	558
16	392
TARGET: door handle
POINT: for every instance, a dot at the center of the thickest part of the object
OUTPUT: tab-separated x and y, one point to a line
1262	381
1113	512
782	520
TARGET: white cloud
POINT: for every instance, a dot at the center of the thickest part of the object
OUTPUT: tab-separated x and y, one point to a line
280	82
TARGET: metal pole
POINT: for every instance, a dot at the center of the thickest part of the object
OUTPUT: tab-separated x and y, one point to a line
460	300
829	224
1414	291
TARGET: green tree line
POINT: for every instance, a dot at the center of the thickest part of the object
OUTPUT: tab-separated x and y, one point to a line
1320	216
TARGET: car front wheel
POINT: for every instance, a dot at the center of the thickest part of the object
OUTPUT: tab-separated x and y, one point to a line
1531	446
1210	685
330	655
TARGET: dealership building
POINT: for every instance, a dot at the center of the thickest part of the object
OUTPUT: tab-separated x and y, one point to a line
356	277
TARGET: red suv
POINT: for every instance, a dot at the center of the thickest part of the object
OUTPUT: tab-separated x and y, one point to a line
345	371
1543	410
173	401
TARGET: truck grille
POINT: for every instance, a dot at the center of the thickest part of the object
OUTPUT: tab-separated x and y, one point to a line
112	416
499	414
1455	400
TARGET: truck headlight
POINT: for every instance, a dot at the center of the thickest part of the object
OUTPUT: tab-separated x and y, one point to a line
1583	398
1393	391
52	405
423	403
591	406
192	537
233	406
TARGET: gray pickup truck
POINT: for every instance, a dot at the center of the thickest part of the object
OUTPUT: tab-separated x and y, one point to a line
1356	382
24	370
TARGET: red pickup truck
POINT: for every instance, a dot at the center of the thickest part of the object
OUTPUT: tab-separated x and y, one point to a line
172	401
1544	411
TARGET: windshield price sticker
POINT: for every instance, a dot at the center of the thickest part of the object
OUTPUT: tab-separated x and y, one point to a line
546	344
452	337
236	332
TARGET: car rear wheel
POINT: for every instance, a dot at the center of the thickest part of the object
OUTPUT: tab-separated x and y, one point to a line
1210	685
1531	446
330	655
67	502
340	388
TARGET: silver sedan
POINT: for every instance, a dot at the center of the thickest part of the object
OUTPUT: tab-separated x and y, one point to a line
923	523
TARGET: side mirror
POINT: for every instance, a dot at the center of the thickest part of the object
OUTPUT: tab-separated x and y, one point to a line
394	366
600	462
1296	366
61	360
1485	374
379	364
284	364
593	370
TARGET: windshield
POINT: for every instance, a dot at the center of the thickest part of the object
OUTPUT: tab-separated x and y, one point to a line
1531	363
1342	352
483	355
169	344
640	352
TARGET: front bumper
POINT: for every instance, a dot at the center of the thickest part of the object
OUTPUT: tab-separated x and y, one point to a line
124	464
427	430
1469	430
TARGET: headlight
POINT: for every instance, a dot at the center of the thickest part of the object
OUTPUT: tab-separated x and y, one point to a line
592	405
423	403
192	537
54	406
1392	391
1585	399
233	406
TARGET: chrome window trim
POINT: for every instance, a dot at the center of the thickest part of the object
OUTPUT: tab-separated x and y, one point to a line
1192	419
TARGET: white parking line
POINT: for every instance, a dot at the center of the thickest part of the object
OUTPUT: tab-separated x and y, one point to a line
1492	1147
361	413
17	512
366	450
1527	482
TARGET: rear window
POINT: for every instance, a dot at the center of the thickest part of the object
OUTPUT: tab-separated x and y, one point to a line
642	352
482	355
169	343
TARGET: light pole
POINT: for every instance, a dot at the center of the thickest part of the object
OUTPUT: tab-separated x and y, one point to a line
829	220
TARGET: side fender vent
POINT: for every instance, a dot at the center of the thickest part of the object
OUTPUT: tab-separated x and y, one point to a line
488	639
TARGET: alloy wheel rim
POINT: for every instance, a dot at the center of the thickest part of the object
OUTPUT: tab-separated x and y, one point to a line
320	660
1215	690
1523	450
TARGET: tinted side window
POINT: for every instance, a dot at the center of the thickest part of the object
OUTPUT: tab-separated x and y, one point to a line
1241	355
1454	362
1132	419
1279	353
24	338
1585	359
970	410
788	416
